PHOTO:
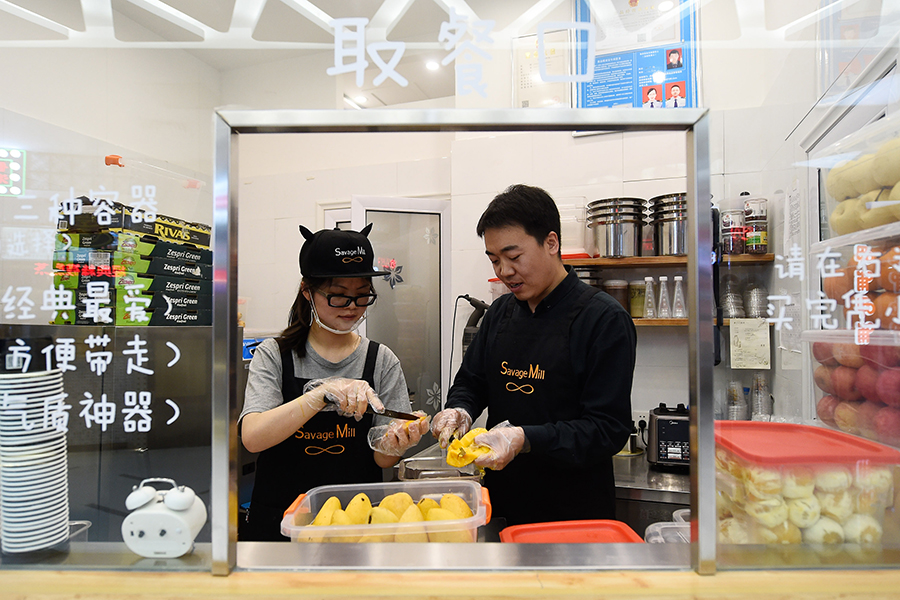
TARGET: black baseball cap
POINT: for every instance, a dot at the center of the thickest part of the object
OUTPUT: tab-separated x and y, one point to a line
337	253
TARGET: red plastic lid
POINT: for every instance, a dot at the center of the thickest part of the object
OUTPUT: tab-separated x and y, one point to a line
570	532
576	255
789	443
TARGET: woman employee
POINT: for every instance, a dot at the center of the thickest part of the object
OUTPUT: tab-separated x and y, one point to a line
305	384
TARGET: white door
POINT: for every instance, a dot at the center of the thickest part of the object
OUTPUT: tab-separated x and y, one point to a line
411	238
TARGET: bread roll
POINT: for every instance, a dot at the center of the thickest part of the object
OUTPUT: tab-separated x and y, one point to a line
860	175
876	209
824	531
873	476
768	513
886	164
862	529
833	479
731	531
804	512
762	483
798	482
786	533
836	182
846	217
837	505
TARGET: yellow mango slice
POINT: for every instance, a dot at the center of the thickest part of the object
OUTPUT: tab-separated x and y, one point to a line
462	451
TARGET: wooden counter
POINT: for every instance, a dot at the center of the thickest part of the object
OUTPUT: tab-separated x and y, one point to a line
89	585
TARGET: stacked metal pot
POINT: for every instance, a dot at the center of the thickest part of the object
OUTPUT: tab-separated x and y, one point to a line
624	227
667	216
616	224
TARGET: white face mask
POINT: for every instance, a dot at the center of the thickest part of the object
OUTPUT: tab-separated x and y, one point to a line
315	317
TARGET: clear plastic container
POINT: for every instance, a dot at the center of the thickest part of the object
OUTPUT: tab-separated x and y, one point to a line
785	483
297	521
498	288
666	532
636	291
682	515
618	289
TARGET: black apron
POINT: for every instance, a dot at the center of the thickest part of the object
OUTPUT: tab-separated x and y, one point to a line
531	382
329	449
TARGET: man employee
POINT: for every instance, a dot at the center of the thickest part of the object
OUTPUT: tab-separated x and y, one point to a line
553	363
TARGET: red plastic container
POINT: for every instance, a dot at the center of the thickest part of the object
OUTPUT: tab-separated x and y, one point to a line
571	532
761	443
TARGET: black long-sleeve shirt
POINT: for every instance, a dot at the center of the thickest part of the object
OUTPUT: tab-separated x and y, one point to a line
602	353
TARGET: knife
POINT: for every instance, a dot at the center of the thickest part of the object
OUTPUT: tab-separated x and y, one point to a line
394	414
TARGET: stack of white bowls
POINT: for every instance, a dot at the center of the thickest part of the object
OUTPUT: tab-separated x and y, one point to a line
34	483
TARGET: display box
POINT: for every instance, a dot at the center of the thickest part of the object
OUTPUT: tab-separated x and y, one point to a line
132	243
99	215
785	483
856	388
76	278
860	176
119	316
119	262
298	518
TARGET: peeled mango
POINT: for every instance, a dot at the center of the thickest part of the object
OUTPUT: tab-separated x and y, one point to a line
463	451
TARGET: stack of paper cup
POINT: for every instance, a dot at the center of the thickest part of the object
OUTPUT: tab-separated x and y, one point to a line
34	483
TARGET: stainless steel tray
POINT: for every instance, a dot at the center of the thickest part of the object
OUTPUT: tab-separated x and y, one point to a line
431	463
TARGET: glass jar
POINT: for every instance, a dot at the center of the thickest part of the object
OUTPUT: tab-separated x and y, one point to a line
618	289
636	291
733	231
756	226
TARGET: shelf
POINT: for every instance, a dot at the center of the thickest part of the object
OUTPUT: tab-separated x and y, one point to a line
639	322
665	261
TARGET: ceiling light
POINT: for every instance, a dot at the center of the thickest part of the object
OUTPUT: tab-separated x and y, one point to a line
432	65
666	5
361	99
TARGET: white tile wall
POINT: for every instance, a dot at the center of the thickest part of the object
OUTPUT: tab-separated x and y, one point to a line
654	155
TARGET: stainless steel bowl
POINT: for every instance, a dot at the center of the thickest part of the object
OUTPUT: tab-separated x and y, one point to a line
671	237
615	202
617	238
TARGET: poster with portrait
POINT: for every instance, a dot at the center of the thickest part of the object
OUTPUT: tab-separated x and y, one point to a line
644	54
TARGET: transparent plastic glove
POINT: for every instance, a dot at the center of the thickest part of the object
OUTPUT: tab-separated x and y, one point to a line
398	436
450	422
349	397
505	441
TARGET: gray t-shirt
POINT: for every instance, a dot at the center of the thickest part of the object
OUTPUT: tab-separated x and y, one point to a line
263	390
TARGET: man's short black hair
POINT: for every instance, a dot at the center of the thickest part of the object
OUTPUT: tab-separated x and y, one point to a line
527	206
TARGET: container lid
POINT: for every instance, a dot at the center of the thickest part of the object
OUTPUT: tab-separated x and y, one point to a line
636	282
615	283
770	443
669	197
571	532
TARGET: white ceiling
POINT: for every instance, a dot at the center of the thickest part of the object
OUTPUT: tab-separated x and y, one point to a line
231	34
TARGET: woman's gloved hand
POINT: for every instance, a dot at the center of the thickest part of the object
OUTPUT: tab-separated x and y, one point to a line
505	441
398	436
350	397
449	422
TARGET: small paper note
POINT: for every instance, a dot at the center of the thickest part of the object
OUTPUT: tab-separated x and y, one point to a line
750	344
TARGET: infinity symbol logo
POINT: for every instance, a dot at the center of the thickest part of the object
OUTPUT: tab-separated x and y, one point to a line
315	450
525	389
350	259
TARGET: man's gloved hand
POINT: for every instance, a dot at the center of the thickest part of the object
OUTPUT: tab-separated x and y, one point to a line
448	422
398	436
505	441
350	397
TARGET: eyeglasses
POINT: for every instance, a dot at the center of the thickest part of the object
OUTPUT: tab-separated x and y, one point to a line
342	301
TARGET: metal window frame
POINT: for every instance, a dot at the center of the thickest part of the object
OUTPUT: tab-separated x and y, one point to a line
230	124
